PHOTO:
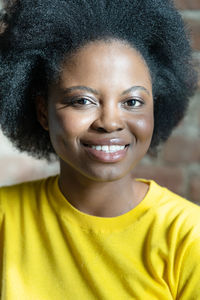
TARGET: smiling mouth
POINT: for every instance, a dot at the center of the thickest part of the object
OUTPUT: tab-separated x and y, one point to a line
107	148
106	153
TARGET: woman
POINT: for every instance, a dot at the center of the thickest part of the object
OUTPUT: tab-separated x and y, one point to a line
98	84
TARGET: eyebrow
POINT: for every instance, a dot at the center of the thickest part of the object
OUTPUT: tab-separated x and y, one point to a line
88	89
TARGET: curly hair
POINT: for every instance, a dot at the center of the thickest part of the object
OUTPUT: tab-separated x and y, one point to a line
37	35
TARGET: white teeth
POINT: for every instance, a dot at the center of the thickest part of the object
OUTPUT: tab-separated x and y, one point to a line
108	149
105	148
113	148
98	147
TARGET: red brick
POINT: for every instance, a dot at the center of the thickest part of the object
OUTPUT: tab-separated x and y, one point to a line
182	150
187	4
195	189
170	177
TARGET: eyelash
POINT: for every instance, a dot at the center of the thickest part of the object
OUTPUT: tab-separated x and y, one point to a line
141	102
74	102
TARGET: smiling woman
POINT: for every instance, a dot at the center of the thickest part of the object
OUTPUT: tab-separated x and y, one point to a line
93	107
98	84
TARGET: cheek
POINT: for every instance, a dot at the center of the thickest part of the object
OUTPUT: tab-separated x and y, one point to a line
142	127
68	125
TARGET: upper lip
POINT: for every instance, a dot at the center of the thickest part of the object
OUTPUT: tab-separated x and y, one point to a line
105	141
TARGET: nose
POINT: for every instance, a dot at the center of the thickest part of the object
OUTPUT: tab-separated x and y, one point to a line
109	119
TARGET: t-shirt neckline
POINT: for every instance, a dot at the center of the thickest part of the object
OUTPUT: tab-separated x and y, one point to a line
96	223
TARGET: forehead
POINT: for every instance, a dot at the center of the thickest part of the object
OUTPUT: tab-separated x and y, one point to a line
103	61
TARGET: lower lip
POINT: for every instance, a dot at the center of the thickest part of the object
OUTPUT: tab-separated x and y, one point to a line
106	157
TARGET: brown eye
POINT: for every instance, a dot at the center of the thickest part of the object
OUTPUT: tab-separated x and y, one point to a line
82	101
133	103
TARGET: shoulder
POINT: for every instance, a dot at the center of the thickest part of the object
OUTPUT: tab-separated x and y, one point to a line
172	217
178	204
23	192
172	240
166	198
172	221
163	197
180	216
16	189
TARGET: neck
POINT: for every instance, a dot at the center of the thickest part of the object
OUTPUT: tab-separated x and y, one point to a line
104	199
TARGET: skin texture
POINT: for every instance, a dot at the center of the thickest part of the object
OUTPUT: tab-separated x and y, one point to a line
107	189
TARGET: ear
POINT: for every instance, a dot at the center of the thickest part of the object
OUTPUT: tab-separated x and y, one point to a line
42	112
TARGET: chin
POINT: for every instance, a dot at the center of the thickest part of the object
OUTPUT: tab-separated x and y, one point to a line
106	174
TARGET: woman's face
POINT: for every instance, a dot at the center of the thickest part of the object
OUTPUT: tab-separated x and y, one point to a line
100	113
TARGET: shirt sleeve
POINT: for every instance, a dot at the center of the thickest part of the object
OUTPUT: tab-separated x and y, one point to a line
189	280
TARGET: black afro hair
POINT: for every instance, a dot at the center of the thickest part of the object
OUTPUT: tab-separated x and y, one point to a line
37	35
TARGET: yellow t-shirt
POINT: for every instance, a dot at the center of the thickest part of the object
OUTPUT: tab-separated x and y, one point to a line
49	250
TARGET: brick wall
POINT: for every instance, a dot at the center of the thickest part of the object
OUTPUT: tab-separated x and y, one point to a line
177	165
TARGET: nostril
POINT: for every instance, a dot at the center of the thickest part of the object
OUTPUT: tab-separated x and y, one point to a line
101	129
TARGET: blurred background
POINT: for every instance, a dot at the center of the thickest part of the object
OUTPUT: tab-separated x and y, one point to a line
177	165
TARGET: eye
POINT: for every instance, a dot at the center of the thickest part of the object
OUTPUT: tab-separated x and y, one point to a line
133	103
81	101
